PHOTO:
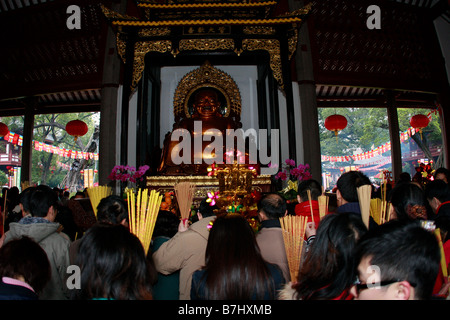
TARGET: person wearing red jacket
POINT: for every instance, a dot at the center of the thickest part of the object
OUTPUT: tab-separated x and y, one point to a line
303	208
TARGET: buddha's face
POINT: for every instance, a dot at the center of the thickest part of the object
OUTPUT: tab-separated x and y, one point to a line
206	103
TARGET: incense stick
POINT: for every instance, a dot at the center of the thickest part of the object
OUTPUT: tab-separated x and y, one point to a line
323	205
293	228
142	213
444	269
310	204
96	194
364	194
184	192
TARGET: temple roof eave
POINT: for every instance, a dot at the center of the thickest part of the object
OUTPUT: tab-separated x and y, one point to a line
209	22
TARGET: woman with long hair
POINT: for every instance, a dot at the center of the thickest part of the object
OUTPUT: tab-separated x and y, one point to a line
113	265
408	202
327	271
234	268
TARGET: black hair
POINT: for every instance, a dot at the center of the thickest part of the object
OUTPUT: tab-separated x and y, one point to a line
403	251
348	184
408	201
437	189
273	205
113	265
112	209
404	177
41	200
444	171
206	209
328	267
24	257
166	224
312	185
24	198
235	269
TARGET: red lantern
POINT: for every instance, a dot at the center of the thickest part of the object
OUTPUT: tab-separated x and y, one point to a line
4	130
335	123
76	128
419	121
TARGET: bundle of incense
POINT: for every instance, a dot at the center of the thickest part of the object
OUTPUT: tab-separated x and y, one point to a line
375	210
389	209
293	233
364	195
184	191
310	205
142	213
323	205
384	203
96	194
444	265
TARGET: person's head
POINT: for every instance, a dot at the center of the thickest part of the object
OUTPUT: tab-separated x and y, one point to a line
312	185
13	196
23	259
442	174
43	203
24	200
234	265
166	224
437	192
112	209
271	206
206	102
398	260
443	223
113	265
348	184
408	202
79	195
205	209
328	267
404	177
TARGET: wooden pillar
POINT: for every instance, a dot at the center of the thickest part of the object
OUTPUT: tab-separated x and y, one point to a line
308	100
394	133
289	100
109	113
126	95
27	147
444	114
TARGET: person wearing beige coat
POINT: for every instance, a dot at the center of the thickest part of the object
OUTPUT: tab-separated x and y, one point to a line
185	252
272	207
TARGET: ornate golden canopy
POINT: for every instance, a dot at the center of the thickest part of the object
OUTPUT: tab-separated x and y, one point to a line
206	76
221	26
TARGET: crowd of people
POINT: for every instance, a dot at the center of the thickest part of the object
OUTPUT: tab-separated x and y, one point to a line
52	248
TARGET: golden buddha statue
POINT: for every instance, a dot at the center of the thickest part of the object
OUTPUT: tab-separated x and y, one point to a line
207	113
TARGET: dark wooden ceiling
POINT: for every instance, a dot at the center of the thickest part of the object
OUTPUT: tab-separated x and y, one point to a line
40	57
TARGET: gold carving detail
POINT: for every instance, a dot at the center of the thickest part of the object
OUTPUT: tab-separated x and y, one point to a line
206	76
154	32
121	41
141	48
206	44
259	30
272	46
